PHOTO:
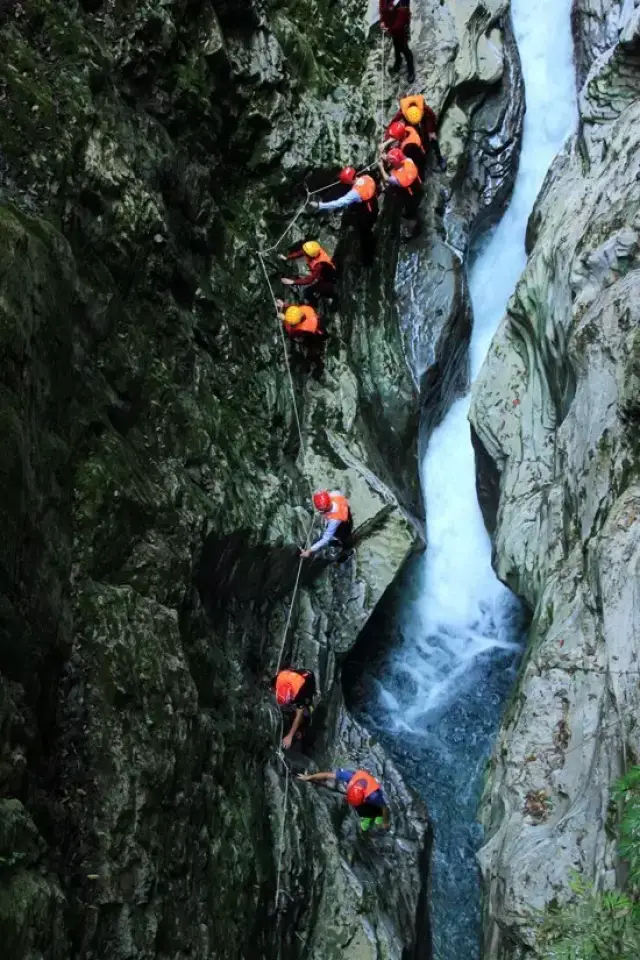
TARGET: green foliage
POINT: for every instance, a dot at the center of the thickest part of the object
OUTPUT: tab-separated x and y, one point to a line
627	792
602	925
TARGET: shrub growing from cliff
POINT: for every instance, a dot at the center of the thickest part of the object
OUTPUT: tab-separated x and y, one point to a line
602	925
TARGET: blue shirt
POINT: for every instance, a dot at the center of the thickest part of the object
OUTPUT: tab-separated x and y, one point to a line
376	798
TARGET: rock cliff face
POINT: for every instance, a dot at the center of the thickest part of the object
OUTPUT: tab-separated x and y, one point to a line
155	480
555	413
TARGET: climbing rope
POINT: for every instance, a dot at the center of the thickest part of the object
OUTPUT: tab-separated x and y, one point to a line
262	253
381	85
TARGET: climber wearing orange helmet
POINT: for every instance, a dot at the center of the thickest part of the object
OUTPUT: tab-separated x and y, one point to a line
321	279
362	198
336	512
295	690
364	794
415	112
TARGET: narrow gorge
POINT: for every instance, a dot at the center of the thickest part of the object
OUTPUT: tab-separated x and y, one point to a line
159	453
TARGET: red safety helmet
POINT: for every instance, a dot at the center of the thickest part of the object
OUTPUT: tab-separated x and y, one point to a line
396	157
397	130
322	500
356	793
284	694
347	175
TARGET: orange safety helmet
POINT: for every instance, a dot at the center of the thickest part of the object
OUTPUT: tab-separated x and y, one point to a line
347	175
396	157
322	500
356	793
397	130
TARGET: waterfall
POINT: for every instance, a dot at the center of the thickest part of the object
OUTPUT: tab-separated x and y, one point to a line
437	698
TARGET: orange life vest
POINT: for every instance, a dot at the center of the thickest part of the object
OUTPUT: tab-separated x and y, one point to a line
370	783
309	322
323	257
414	101
365	187
407	174
412	137
339	509
288	685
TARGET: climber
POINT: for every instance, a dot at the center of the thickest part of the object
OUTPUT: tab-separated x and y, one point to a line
407	138
404	180
395	19
362	198
302	323
336	511
364	794
417	113
295	690
321	280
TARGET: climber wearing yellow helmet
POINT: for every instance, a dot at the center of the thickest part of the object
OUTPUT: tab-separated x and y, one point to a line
302	324
418	114
321	279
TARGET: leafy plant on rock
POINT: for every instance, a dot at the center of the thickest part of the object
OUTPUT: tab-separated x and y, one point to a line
602	925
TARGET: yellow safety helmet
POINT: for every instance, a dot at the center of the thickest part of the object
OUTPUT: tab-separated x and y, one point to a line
311	248
293	316
414	114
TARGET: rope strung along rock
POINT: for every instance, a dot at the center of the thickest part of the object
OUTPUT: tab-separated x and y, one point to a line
261	255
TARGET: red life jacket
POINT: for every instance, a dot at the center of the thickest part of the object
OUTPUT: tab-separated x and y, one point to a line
288	685
370	783
339	509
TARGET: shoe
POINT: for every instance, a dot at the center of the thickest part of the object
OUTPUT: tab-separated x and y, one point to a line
378	822
366	823
411	77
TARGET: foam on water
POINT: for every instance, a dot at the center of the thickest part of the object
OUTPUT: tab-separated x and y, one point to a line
437	699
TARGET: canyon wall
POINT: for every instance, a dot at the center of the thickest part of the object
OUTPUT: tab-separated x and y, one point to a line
555	418
156	487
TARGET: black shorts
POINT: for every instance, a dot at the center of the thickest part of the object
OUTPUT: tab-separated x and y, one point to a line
371	810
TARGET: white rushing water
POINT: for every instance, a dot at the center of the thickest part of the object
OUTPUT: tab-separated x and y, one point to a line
462	611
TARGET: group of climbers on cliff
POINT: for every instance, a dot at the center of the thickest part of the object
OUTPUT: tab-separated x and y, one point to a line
294	691
409	138
400	170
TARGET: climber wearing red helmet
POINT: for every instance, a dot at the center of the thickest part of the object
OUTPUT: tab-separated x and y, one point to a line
295	690
361	198
407	138
336	512
364	794
404	180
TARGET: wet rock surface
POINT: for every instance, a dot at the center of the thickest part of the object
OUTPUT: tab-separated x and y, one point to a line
555	416
155	482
